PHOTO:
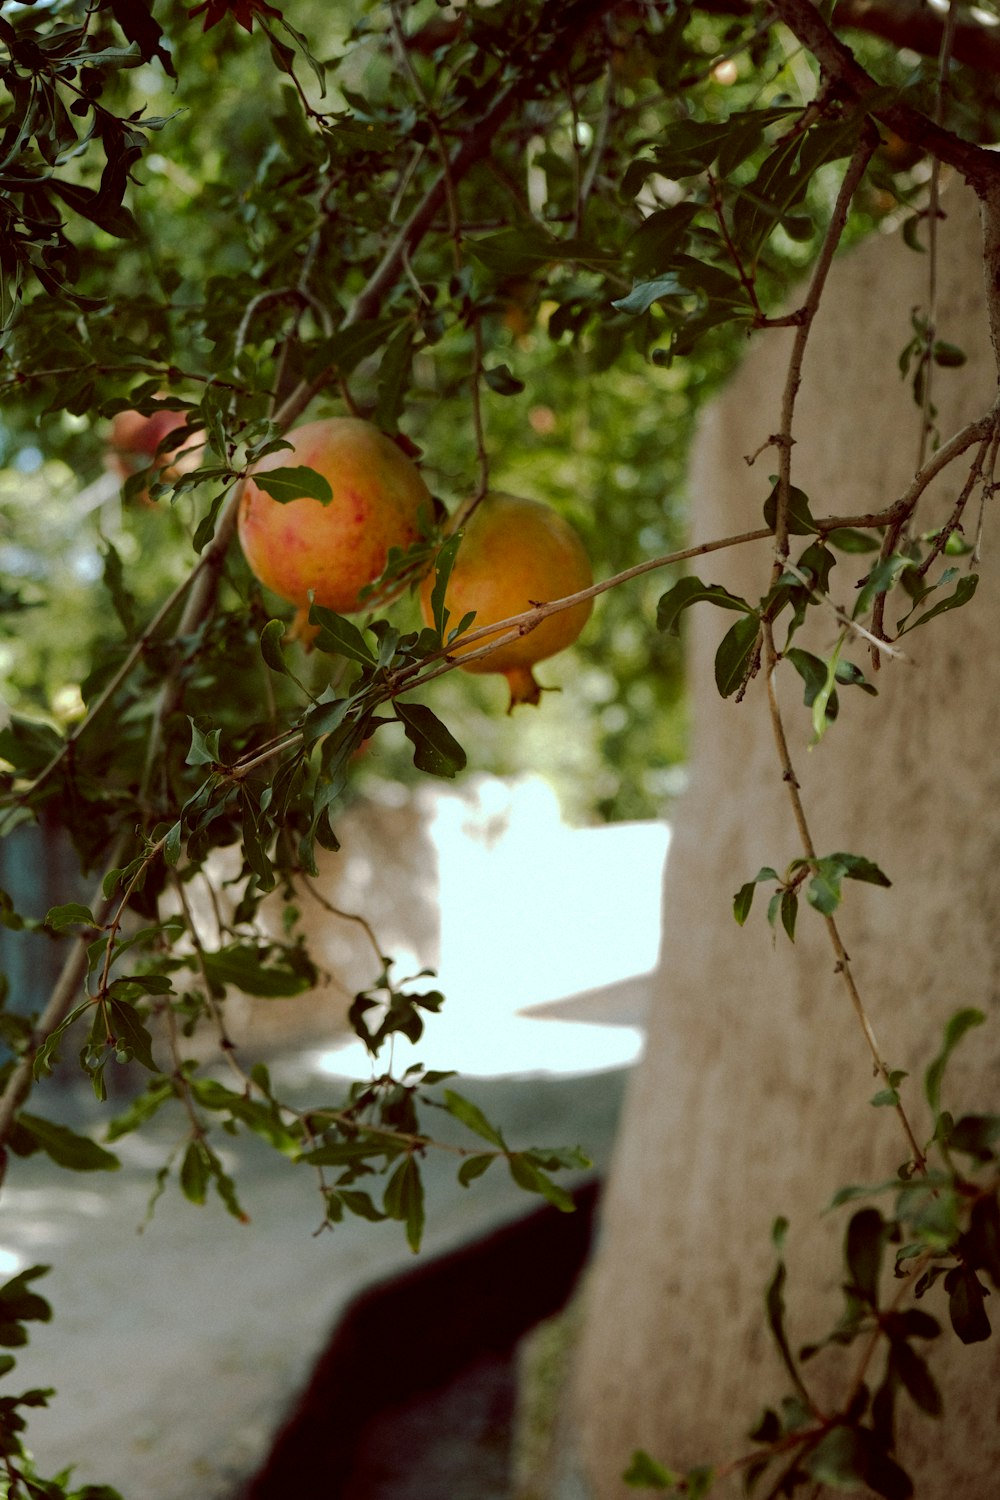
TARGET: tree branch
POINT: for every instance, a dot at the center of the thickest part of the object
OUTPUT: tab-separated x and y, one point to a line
906	23
475	144
979	167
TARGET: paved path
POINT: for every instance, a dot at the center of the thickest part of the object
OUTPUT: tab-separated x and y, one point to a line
176	1351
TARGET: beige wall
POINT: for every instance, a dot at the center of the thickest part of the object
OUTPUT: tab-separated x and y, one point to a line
753	1097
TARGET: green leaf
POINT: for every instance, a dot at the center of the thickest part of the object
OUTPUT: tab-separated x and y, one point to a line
856	867
520	249
848	1458
443	564
324	718
789	912
977	1135
847	539
642	296
340	637
948	356
659	235
964	590
195	1172
881	578
966	1305
70	915
435	749
743	900
205	529
526	248
816	676
774	1302
885	1098
863	1247
783	179
140	1110
913	1371
767	1428
29	745
131	1034
690	591
851	676
502	380
735	656
114	582
645	1473
10	918
347	348
98	207
527	1174
981	1241
66	1148
472	1117
393	379
360	1204
172	845
204	749
245	967
270	646
296	482
800	521
956	1028
823	891
473	1167
698	1482
18	1304
404	1199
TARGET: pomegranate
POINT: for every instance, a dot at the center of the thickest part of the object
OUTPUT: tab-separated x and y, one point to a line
515	553
134	439
334	550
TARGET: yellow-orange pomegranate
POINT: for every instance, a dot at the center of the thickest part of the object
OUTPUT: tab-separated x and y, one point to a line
334	550
516	553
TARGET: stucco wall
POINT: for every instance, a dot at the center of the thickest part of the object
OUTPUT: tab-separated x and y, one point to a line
752	1100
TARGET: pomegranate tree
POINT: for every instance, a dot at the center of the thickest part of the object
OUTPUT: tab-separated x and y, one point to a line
515	553
333	550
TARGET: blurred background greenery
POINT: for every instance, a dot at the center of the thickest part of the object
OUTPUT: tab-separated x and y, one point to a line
596	417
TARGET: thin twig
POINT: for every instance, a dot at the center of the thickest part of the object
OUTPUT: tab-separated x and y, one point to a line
856	169
843	966
954	521
746	280
933	215
842	616
983	429
345	916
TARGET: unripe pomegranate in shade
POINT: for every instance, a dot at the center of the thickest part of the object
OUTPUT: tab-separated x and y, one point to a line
335	549
134	439
515	553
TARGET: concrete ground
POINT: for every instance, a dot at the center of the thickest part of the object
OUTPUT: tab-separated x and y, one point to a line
177	1346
